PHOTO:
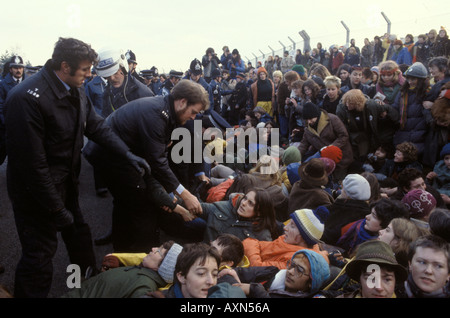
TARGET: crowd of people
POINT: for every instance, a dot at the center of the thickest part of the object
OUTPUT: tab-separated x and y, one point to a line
342	193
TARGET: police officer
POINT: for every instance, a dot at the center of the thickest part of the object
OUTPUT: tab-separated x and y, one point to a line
146	126
195	74
132	64
121	88
14	76
47	117
174	78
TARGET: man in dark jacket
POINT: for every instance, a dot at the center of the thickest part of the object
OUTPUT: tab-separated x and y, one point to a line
46	118
121	88
146	126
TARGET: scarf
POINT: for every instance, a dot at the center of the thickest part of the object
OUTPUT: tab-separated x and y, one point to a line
403	110
177	291
415	292
355	235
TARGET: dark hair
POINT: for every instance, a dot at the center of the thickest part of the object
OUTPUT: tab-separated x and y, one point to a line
409	151
189	256
315	88
367	73
72	51
440	62
430	241
233	249
439	222
406	176
421	89
375	193
265	211
389	209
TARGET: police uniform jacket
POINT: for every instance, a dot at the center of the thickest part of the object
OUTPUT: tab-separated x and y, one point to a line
45	128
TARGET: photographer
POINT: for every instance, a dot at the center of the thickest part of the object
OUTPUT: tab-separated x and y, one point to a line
210	62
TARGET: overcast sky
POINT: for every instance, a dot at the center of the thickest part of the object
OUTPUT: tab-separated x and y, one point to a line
169	34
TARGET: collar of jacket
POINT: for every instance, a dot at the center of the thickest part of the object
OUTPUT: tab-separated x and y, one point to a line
323	122
170	107
54	82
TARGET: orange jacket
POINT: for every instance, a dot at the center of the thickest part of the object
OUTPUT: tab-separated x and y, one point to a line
274	253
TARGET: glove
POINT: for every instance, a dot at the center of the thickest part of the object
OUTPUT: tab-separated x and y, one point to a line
139	163
63	219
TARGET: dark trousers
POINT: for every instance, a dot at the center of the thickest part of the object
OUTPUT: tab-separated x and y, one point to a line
38	237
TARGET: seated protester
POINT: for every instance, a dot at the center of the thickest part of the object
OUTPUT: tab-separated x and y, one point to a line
376	160
399	234
440	176
195	273
405	156
333	94
375	193
155	271
363	117
261	115
355	76
305	274
428	269
360	269
307	193
244	215
351	205
410	179
290	155
420	205
302	231
439	222
324	129
381	214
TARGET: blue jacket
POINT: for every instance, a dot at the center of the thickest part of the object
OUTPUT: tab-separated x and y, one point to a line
206	86
94	90
6	85
239	68
416	126
402	57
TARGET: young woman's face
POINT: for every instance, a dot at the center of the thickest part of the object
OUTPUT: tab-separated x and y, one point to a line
332	91
387	235
292	234
199	278
435	71
308	91
412	81
154	258
355	77
373	224
380	153
385	287
398	156
343	74
429	269
247	206
298	274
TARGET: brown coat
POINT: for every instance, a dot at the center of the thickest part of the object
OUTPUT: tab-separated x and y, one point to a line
330	131
304	197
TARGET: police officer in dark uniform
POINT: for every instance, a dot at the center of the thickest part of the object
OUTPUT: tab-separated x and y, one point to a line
132	63
174	78
47	118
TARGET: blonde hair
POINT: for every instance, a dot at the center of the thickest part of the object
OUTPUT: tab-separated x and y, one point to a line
320	71
355	97
332	81
268	166
279	74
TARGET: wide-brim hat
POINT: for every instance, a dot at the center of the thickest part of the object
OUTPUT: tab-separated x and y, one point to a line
378	253
314	172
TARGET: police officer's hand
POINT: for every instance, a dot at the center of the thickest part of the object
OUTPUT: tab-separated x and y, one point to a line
63	219
139	163
191	202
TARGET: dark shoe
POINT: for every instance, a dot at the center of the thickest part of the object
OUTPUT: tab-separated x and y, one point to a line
104	239
102	192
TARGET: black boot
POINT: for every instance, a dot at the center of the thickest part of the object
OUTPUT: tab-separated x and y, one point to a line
107	239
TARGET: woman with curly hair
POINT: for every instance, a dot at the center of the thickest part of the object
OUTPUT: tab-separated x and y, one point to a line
311	92
405	157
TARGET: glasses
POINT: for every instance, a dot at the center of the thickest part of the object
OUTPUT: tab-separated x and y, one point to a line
299	271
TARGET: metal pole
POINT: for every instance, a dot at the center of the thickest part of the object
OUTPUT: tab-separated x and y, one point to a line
388	22
256	58
306	39
348	33
273	51
264	55
284	46
293	43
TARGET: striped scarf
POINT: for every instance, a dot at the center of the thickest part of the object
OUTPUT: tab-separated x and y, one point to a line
403	110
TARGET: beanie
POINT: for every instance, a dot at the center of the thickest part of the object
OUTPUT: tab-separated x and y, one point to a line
320	270
310	110
445	151
357	187
419	203
299	69
167	268
310	223
330	165
332	152
262	69
291	155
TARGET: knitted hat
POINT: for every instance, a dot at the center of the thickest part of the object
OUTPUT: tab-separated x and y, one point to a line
262	69
167	268
310	223
357	187
310	110
374	252
330	165
320	270
241	76
332	152
313	172
398	42
419	202
291	155
299	69
445	151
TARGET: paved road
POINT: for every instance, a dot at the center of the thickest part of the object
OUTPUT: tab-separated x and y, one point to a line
97	212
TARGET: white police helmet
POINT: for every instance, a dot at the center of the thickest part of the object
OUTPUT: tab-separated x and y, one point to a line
109	62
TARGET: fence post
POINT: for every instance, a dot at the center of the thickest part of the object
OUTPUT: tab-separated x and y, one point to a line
388	22
306	38
348	34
